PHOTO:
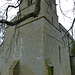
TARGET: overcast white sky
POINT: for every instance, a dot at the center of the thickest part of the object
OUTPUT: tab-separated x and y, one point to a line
66	5
68	8
5	3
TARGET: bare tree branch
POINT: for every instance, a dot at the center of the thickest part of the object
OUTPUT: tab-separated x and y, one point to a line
32	14
70	28
12	7
62	10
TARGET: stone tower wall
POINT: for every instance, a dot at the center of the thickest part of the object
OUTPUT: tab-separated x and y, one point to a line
35	44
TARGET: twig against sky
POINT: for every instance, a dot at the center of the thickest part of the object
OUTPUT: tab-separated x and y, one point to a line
31	14
70	28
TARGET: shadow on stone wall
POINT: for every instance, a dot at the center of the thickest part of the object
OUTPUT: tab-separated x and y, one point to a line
73	64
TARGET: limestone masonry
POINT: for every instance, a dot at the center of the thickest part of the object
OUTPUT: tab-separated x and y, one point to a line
35	46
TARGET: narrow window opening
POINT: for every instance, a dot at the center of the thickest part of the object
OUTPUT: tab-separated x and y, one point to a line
59	55
52	19
14	68
29	2
50	3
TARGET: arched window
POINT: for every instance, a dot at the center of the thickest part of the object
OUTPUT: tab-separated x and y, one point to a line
14	68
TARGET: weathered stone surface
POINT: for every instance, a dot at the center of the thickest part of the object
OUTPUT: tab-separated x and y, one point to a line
33	42
73	64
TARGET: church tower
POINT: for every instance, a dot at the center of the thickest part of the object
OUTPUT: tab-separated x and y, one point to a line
48	9
37	47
